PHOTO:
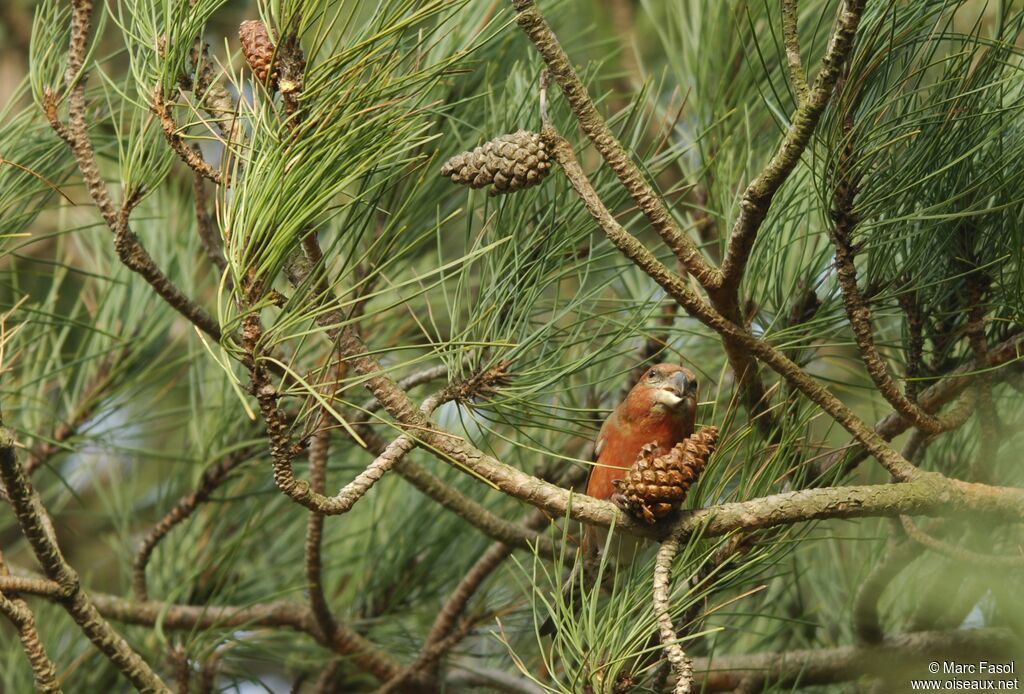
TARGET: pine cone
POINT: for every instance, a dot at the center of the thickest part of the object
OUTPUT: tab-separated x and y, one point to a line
258	50
657	484
507	163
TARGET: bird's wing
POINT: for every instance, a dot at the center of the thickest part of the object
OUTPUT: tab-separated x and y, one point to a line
602	440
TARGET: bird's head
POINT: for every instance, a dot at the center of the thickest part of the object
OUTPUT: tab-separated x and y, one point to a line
666	389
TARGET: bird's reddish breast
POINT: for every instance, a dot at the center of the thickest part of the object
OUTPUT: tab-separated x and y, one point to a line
622	444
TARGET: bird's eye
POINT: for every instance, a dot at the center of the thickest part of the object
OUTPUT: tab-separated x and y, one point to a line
651	375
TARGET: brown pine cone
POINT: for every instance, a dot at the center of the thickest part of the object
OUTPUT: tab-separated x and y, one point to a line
507	163
657	484
258	50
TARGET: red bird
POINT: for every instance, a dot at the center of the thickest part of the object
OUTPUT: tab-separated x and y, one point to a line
661	409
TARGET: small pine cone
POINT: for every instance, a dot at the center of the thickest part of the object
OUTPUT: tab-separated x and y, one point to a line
657	484
258	49
507	163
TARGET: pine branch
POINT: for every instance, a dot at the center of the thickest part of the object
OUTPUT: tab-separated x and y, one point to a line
533	24
988	415
930	400
208	235
20	616
857	309
129	249
37	528
213	477
172	134
758	196
631	247
960	554
866	622
282	614
681	663
791	39
725	673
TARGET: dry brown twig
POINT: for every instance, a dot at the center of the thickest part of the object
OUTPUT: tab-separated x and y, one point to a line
20	616
212	479
172	133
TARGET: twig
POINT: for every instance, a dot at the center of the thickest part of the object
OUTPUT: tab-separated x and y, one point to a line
300	491
319	449
758	196
905	652
212	478
930	400
988	416
31	585
204	224
791	39
394	399
473	512
440	637
633	249
469	676
414	677
427	375
343	641
857	309
35	525
194	159
208	674
959	554
866	623
76	134
915	342
325	683
214	98
594	126
18	613
662	588
621	12
41	454
179	665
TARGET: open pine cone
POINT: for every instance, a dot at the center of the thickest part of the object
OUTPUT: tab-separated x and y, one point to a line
507	163
657	484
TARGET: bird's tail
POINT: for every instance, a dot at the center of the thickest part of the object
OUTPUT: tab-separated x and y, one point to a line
621	550
570	596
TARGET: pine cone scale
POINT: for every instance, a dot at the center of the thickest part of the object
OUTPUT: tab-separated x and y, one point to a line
503	165
258	49
656	485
